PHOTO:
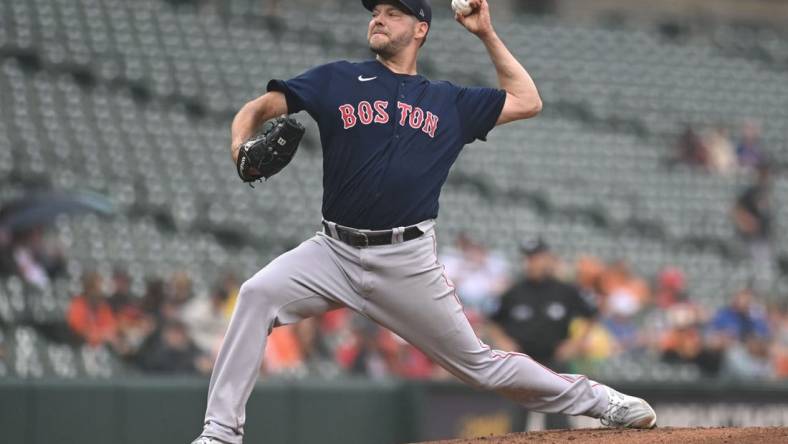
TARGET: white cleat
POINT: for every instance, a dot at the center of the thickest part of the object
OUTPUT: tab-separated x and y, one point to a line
207	440
624	411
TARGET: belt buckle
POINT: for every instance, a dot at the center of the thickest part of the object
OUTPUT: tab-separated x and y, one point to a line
362	236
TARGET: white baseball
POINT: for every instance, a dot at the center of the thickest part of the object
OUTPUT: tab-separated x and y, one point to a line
462	7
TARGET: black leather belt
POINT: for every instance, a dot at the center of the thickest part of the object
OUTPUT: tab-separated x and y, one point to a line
359	239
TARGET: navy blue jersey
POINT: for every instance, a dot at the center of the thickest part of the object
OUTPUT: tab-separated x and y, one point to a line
388	139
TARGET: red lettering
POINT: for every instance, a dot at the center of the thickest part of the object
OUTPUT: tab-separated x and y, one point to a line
404	110
365	112
348	115
430	124
382	116
417	118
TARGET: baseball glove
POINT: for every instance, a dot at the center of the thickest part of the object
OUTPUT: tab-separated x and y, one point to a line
266	154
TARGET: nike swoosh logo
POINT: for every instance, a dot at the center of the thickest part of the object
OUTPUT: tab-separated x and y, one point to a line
363	79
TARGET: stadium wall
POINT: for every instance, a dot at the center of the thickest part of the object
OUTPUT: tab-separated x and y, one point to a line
166	411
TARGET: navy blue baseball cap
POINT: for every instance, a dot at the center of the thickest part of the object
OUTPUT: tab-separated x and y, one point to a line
420	9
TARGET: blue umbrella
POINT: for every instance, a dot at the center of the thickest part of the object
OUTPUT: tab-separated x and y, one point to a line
43	208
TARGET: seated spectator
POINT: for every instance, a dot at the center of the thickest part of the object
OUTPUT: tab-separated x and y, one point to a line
363	353
120	296
406	361
206	320
229	286
720	152
479	275
89	315
749	359
180	289
598	345
749	150
155	294
619	319
174	352
588	274
317	354
619	280
683	341
753	217
36	261
283	352
690	149
299	349
739	320
133	325
670	287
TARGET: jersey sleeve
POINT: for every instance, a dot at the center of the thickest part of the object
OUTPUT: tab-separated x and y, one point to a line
479	109
305	91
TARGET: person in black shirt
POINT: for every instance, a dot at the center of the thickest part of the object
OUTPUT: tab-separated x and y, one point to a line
534	315
753	217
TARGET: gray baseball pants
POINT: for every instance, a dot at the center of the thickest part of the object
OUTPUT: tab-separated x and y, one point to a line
402	287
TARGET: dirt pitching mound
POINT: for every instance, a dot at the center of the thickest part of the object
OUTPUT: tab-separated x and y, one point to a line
663	435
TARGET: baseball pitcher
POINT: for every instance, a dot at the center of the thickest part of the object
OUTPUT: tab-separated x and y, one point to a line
389	137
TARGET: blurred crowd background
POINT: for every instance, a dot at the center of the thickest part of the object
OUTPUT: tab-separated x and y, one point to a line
632	232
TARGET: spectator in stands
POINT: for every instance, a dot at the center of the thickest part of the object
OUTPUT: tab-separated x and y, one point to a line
406	361
89	316
133	325
670	287
299	349
362	354
283	353
120	296
155	294
690	149
683	341
720	152
36	261
479	275
749	150
156	311
739	320
318	357
618	282
174	352
619	318
230	286
753	217
180	288
741	331
588	274
205	317
534	316
749	359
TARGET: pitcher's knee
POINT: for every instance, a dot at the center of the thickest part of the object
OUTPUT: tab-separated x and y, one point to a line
257	295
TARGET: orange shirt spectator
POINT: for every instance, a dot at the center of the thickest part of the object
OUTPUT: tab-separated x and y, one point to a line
90	316
282	352
94	323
